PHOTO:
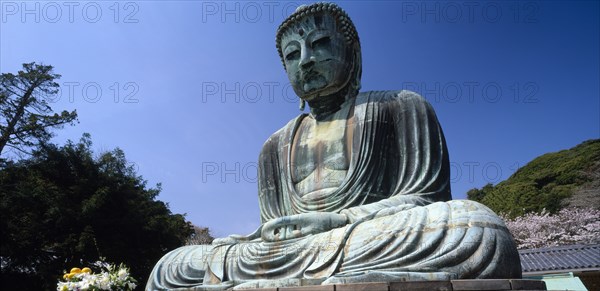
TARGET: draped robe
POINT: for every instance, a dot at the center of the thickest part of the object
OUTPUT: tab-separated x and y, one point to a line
396	194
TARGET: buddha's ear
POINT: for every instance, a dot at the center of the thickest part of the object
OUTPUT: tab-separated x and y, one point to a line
356	69
285	67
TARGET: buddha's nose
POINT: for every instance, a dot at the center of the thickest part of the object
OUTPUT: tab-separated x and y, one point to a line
307	59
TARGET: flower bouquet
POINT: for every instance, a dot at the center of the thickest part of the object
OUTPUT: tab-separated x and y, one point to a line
110	277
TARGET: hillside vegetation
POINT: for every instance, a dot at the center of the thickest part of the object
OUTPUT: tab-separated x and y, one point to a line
568	178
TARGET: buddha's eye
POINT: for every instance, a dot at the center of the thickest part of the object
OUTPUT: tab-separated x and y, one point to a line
293	55
321	42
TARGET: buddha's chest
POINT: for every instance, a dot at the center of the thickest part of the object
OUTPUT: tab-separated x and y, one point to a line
321	152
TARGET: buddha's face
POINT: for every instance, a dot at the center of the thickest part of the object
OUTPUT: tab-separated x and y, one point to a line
317	59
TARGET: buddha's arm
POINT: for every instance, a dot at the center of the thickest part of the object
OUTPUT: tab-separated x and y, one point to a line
300	225
422	174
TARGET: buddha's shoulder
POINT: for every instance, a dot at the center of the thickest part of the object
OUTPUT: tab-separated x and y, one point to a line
390	96
282	135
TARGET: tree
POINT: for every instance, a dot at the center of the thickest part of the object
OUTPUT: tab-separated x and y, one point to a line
550	182
63	207
24	108
478	194
568	226
200	236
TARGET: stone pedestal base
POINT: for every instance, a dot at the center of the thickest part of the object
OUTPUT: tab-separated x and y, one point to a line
452	285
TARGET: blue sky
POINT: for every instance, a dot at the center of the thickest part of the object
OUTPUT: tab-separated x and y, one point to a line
190	90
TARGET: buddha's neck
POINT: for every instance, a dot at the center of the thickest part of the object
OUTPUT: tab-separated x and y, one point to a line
323	107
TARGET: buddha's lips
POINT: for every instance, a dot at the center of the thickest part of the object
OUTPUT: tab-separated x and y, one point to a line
306	76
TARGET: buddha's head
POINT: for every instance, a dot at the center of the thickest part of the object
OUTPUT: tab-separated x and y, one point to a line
320	51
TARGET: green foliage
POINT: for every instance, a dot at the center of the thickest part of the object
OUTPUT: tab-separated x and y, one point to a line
478	194
63	207
544	183
26	116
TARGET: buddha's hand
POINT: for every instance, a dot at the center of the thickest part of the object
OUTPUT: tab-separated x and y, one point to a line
300	225
361	214
236	238
393	210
